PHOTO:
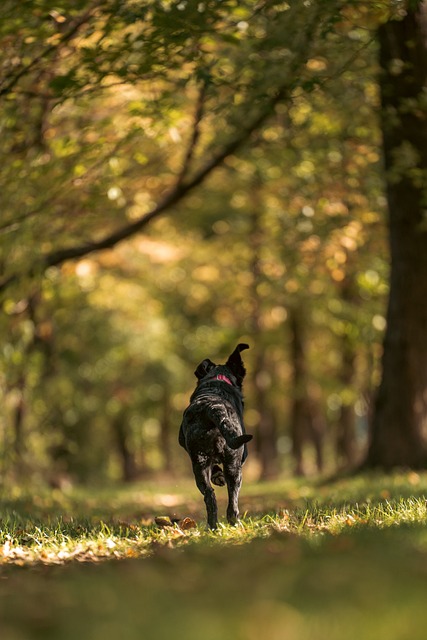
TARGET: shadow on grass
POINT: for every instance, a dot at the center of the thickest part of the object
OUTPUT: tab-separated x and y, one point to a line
366	584
141	503
363	582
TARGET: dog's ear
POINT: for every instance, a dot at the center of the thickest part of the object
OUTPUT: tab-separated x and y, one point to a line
235	363
204	368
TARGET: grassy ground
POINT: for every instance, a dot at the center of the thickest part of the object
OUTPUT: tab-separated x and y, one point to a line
344	559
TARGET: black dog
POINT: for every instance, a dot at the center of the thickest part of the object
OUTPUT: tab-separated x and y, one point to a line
212	432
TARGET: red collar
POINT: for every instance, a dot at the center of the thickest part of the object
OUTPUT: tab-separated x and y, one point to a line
224	379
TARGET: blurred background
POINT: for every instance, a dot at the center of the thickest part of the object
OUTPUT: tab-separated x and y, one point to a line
237	146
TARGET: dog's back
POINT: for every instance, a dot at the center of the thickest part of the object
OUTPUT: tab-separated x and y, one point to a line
214	418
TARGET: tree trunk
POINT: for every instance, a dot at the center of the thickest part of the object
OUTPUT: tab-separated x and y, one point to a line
306	423
127	456
266	435
18	427
399	425
346	433
165	432
346	436
268	453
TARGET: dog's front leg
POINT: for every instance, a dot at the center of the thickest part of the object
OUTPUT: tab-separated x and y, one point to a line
203	482
233	478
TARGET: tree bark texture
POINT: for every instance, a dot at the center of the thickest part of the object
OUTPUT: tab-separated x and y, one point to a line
399	425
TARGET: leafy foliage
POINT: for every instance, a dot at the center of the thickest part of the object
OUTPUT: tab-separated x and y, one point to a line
255	127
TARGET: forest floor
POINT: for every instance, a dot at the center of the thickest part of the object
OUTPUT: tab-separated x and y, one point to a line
311	560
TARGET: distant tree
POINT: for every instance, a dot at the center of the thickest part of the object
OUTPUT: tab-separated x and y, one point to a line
399	427
307	425
113	112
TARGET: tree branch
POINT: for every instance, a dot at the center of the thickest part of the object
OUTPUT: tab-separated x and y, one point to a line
66	37
195	135
180	190
184	184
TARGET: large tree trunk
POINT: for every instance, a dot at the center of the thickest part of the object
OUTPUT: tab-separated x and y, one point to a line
399	426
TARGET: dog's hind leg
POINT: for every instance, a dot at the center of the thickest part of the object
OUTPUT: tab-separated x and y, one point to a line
202	475
233	478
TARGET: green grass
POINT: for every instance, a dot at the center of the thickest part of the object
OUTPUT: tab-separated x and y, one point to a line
344	559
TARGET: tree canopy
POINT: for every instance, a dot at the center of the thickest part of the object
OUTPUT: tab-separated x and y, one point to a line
255	127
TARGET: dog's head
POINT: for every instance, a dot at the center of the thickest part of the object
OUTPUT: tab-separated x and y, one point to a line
233	370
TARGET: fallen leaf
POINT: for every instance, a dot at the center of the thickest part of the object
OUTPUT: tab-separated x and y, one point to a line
187	523
163	521
175	534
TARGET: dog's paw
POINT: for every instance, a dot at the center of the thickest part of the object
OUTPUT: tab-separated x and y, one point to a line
218	477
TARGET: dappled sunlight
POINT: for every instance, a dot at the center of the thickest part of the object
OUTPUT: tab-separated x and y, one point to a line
185	176
82	525
169	500
179	177
302	570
